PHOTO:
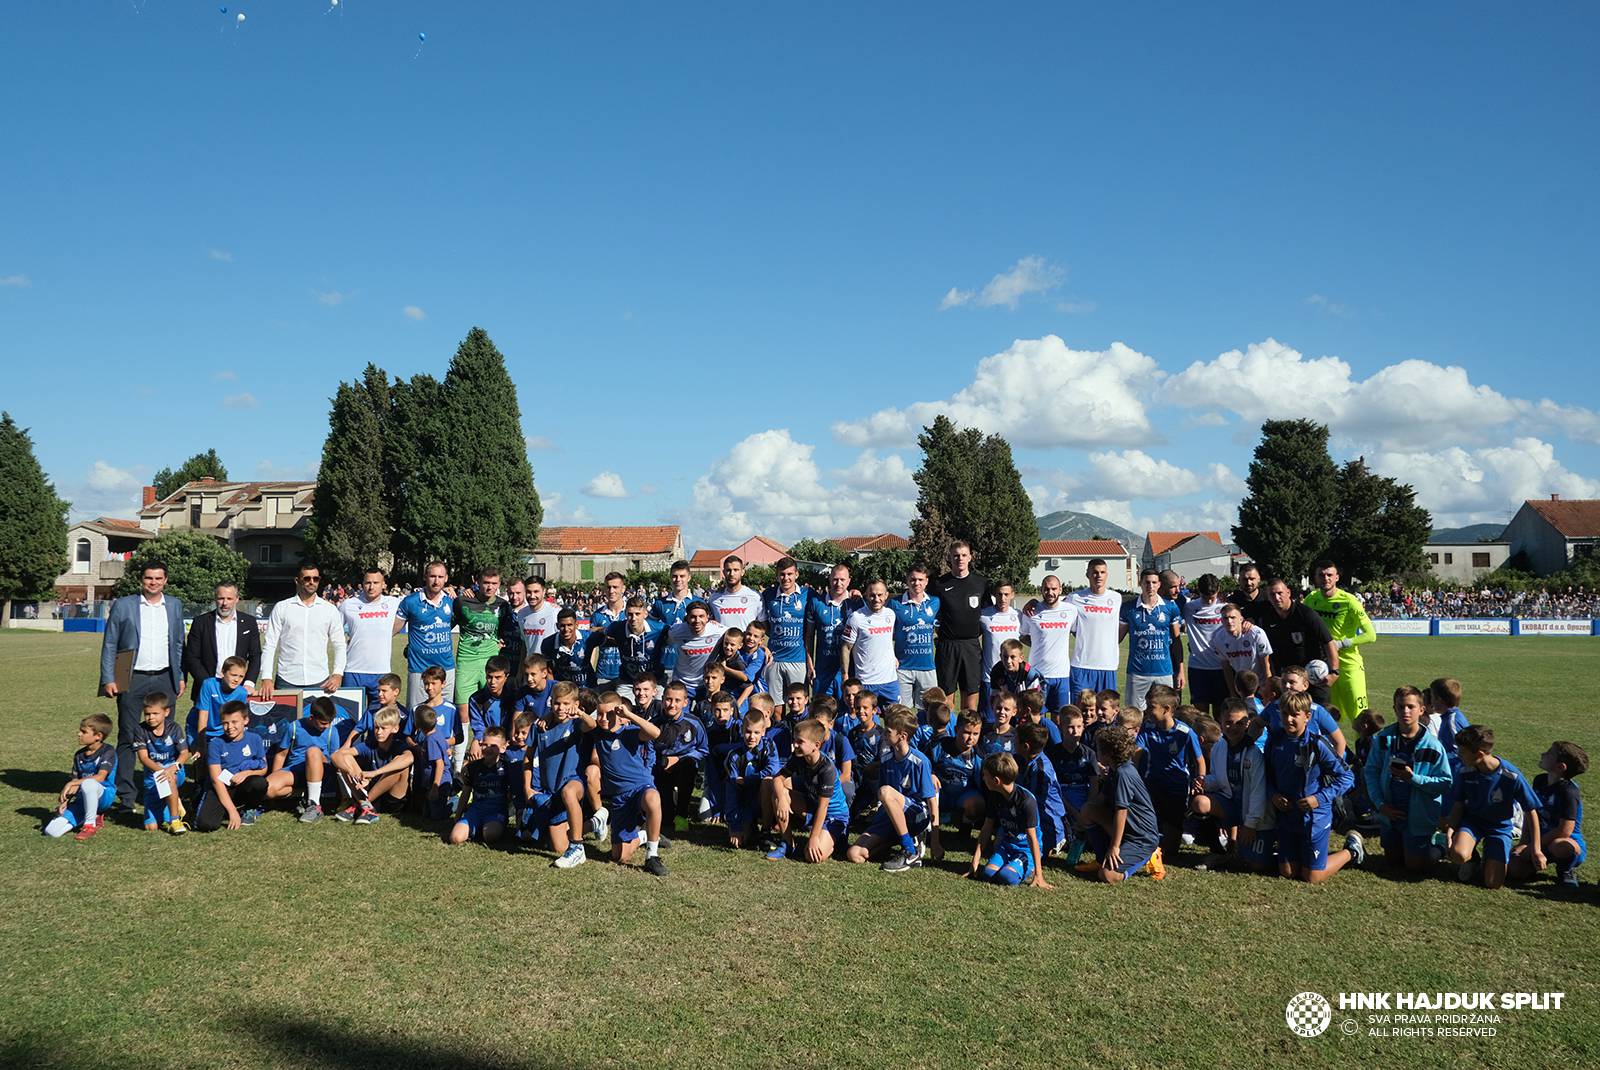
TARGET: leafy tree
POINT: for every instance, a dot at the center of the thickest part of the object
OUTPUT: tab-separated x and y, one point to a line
349	528
479	485
822	551
968	488
1377	528
1293	493
33	521
196	563
890	566
197	467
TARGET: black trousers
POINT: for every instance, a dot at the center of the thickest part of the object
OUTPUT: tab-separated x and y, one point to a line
130	714
676	785
249	794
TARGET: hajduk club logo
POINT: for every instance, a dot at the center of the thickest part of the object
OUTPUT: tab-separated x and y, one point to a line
1308	1015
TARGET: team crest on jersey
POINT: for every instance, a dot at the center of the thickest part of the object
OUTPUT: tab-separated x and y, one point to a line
246	751
972	601
1297	637
613	743
1497	796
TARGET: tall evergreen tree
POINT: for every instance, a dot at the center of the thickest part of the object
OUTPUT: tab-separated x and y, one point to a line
968	488
418	427
33	521
1378	529
1293	493
350	523
199	466
489	509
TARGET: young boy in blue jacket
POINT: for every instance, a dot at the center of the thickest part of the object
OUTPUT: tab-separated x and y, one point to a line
1407	775
1304	776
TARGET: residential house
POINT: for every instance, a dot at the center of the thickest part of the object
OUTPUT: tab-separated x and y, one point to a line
1188	553
266	522
585	555
97	554
1069	560
756	550
1551	534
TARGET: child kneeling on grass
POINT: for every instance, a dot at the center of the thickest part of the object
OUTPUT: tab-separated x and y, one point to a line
908	803
159	747
1304	776
1560	815
626	786
808	799
1122	829
236	774
1486	796
93	786
555	783
375	764
1010	836
485	790
748	771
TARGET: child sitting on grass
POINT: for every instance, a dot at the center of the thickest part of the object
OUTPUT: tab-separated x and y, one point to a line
1560	815
375	764
1008	850
236	774
1487	794
159	748
808	799
908	803
93	785
485	789
1406	776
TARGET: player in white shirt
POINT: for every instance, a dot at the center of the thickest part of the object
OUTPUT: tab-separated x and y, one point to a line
369	630
734	604
1202	622
1094	663
999	622
537	619
693	640
1048	630
1241	649
868	650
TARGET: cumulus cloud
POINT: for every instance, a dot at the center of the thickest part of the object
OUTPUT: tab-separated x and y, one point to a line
1465	486
1036	393
20	282
605	485
770	484
1030	275
1326	304
540	442
412	312
556	511
244	400
106	490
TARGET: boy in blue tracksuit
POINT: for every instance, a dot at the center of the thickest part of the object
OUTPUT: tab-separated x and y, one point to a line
159	748
747	789
958	767
1073	758
1008	850
1487	794
1038	776
1407	775
1235	795
680	751
626	786
1304	776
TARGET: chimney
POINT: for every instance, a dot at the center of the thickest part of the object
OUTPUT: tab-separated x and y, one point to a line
1555	497
149	497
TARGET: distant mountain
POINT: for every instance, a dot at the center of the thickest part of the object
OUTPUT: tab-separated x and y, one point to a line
1470	533
1066	524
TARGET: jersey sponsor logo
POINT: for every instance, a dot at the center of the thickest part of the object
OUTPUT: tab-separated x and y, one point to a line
1052	624
1089	607
376	614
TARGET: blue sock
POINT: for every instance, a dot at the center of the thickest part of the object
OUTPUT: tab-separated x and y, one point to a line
909	842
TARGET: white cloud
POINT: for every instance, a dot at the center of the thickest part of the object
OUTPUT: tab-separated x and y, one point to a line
557	513
106	490
1037	393
226	375
605	485
412	312
1030	275
1326	304
1465	486
245	400
334	298
1572	421
222	256
20	282
1206	419
1076	308
769	484
540	442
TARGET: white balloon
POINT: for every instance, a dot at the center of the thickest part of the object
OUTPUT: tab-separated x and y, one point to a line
239	17
335	3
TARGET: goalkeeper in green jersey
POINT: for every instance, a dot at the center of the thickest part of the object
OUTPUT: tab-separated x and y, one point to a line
1352	629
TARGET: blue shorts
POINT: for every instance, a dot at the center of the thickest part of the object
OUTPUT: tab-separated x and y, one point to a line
836	827
1229	808
1583	850
547	810
481	814
1207	686
1262	849
367	681
1058	692
741	804
1304	843
888	694
1010	860
916	823
1495	842
627	816
1134	860
953	800
1400	844
1092	680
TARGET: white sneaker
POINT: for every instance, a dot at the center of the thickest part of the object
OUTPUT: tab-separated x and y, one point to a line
1188	839
601	823
573	856
705	806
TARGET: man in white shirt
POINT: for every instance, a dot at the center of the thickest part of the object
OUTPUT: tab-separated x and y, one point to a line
693	640
868	650
1048	629
734	604
300	635
1094	666
537	619
369	620
998	623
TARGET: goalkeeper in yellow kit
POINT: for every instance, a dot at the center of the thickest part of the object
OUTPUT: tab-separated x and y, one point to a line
1352	629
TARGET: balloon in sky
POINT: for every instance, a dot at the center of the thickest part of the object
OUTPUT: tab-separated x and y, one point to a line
239	17
422	37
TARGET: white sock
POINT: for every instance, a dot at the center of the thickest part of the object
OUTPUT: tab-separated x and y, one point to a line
59	826
314	792
652	848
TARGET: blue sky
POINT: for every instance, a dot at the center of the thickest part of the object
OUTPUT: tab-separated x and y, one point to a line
736	254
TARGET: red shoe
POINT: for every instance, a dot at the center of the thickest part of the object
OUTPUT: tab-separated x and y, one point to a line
88	830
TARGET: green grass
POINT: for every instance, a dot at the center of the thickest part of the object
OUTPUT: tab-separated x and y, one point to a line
331	946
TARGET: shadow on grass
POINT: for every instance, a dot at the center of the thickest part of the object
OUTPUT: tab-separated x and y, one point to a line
34	781
305	1042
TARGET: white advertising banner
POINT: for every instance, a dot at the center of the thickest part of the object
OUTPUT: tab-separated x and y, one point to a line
1402	627
1555	627
1493	626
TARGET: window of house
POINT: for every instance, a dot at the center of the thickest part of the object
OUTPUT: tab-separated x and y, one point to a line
1480	560
1433	559
194	512
1449	559
80	553
272	553
536	570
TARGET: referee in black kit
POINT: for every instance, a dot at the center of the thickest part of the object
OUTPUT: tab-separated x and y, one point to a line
958	653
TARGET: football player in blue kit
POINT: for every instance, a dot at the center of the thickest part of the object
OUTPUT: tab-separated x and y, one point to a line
626	786
908	803
808	799
1487	793
1304	776
485	791
1560	815
1008	850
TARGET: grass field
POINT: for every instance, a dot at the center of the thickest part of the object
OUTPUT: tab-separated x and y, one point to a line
332	946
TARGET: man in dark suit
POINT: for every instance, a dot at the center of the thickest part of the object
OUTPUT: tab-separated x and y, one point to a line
149	625
221	633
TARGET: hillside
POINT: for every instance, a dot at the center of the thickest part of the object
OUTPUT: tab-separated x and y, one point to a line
1470	533
1067	524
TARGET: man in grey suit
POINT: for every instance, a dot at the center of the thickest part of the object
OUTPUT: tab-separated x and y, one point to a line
150	624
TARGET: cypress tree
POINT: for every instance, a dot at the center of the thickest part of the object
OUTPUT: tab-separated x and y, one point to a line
349	529
33	521
968	488
1285	518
